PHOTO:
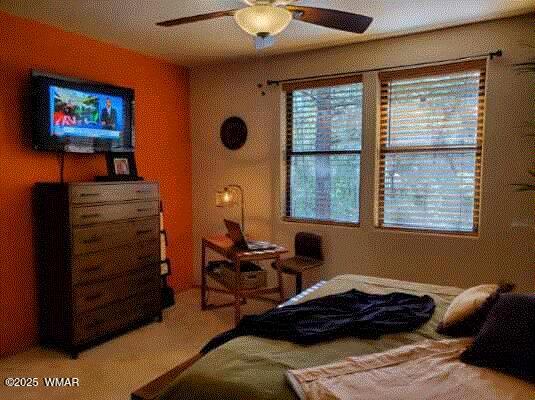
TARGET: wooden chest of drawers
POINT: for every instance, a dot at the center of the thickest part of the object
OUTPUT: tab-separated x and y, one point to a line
98	256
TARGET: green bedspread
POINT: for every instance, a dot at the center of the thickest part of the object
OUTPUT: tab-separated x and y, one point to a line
253	368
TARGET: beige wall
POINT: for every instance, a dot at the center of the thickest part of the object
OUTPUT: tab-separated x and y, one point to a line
504	248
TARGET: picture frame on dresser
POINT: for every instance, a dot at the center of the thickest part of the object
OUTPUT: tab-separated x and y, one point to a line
121	167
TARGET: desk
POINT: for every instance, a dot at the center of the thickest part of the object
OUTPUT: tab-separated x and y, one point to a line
222	245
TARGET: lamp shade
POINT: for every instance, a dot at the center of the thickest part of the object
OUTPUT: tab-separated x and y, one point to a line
263	20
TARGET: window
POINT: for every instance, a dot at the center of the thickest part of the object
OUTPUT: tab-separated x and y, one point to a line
323	143
431	130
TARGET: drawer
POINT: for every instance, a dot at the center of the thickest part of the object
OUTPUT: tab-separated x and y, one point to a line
113	212
106	236
96	266
95	295
97	323
98	193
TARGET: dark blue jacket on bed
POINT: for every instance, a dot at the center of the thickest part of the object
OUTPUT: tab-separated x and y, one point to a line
352	313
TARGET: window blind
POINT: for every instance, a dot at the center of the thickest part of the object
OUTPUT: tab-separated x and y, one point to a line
323	144
431	136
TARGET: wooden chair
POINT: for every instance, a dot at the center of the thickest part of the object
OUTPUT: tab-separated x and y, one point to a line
308	255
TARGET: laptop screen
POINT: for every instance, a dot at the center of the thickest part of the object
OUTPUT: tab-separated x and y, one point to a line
234	232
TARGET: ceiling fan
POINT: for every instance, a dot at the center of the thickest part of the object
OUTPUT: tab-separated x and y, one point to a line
264	19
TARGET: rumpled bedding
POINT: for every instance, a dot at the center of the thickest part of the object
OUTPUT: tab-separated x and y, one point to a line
429	370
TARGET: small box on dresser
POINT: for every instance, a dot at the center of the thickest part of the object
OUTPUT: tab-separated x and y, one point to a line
98	250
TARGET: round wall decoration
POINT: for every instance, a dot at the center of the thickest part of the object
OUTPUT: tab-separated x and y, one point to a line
233	133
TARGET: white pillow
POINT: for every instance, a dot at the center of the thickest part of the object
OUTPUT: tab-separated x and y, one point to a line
467	303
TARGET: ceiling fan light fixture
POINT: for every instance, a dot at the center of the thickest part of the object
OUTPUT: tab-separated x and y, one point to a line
263	20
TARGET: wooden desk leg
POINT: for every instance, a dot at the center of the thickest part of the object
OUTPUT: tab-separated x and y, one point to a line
279	278
237	292
203	277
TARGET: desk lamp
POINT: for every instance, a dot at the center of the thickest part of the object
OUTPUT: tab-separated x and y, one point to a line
226	198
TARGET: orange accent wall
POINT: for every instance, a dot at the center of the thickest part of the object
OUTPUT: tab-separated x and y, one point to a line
163	153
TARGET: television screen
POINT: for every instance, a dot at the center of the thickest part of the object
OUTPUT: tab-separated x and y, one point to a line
79	116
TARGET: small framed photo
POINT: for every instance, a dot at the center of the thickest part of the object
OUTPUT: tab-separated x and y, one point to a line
121	165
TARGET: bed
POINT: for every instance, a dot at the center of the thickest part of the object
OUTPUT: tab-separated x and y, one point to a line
254	368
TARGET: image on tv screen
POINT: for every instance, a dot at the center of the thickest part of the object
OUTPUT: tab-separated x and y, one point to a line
85	115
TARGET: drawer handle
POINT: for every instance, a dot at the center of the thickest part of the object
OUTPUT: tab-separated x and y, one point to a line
94	268
89	194
143	209
95	215
96	323
94	239
94	296
143	191
143	231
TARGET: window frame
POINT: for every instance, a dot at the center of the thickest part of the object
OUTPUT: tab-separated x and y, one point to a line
382	149
288	89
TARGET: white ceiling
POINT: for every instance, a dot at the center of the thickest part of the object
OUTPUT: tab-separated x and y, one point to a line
131	23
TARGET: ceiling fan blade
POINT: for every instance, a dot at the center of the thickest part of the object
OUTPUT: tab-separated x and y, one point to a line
262	42
340	20
195	18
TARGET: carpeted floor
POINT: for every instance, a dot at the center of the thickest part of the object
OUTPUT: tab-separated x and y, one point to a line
111	371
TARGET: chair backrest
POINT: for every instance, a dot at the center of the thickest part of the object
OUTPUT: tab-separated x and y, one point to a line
308	245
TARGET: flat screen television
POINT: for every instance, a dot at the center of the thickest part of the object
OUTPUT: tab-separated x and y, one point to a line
74	115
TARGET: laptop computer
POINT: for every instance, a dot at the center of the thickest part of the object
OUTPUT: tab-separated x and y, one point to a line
236	235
